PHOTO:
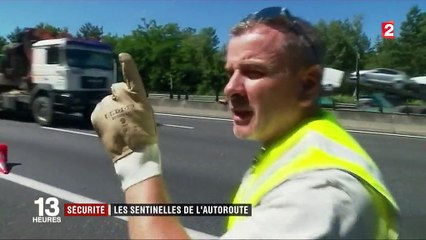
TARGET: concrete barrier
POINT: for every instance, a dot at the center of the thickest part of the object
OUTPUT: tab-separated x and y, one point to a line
350	119
195	108
391	123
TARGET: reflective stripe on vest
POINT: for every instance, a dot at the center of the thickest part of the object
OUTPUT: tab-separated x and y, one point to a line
319	144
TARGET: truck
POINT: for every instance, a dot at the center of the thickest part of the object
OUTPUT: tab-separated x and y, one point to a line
47	76
331	78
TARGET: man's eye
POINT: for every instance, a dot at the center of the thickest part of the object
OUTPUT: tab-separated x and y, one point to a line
253	74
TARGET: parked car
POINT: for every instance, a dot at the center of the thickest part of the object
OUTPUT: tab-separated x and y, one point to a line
383	77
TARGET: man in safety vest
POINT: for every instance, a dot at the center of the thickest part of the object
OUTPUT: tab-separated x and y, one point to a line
310	179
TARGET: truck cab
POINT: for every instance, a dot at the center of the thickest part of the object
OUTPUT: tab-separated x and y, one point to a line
74	74
50	75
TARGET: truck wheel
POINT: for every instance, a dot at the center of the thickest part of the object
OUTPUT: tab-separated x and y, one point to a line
87	112
42	108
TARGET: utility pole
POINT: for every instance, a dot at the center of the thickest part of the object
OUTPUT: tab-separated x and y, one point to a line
357	77
171	85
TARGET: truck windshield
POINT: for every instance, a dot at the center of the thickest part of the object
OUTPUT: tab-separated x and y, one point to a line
89	59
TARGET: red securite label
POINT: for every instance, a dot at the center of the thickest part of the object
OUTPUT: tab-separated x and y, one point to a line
85	209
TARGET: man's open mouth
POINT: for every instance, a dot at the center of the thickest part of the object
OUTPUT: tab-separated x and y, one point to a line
242	117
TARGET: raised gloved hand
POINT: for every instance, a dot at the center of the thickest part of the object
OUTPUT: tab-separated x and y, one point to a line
125	123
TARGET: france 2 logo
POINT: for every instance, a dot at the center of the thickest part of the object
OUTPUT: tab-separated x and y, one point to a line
388	30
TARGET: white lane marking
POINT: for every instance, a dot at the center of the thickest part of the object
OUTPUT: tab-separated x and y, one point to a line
176	126
70	131
76	198
387	134
354	131
221	119
193	117
94	135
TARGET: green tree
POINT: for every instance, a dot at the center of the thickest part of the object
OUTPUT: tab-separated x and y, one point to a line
13	36
343	41
171	58
111	40
89	31
212	63
412	39
217	78
152	47
406	52
54	31
3	42
386	54
180	63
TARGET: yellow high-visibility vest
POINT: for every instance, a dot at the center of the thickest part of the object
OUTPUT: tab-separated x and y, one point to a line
320	143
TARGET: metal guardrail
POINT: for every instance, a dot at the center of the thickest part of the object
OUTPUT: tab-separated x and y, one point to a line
203	98
406	109
338	105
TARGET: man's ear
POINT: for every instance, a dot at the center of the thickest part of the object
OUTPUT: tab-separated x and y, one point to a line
310	86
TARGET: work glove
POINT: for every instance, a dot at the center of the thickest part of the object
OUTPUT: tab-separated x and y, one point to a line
124	121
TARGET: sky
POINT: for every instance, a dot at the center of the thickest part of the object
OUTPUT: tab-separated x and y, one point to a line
121	17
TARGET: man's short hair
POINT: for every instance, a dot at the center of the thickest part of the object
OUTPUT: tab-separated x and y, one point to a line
302	40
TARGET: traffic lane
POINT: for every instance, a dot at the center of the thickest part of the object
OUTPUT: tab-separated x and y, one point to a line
213	127
80	162
401	160
403	164
202	170
395	155
73	162
374	145
17	210
213	153
220	149
209	152
189	176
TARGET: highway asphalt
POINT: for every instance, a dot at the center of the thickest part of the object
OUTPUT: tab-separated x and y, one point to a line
202	163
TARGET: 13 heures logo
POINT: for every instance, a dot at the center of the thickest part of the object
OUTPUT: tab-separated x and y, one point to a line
48	210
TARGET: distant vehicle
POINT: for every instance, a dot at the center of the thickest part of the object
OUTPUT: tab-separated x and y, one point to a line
43	75
417	84
331	79
352	76
383	77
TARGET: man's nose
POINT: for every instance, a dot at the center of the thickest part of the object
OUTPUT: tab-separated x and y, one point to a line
235	85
